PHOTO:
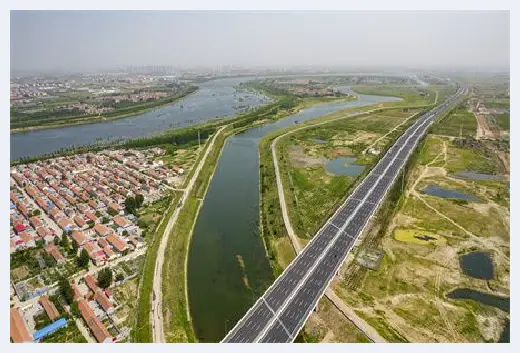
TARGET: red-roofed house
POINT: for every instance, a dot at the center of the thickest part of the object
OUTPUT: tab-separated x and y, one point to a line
49	307
18	328
55	253
102	230
91	282
103	301
98	329
120	221
116	242
79	238
80	221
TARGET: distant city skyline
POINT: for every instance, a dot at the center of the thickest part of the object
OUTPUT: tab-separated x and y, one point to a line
101	40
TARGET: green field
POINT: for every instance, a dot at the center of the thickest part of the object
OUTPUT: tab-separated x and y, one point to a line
404	298
502	121
459	120
313	193
142	331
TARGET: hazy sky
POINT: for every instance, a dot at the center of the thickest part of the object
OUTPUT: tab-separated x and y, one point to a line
97	39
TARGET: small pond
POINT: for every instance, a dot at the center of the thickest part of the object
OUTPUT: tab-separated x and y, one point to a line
320	141
477	264
438	191
465	174
501	303
344	166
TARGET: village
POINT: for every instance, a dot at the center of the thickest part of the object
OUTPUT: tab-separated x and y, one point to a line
75	235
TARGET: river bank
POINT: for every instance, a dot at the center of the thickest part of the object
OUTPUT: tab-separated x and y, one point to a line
227	257
94	119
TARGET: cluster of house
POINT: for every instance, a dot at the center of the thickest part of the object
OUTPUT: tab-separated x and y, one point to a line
84	108
84	196
94	305
306	88
135	97
19	332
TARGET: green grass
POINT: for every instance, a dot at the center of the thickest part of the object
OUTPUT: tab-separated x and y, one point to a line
69	334
411	95
472	159
311	192
142	331
456	120
177	326
383	328
503	121
202	182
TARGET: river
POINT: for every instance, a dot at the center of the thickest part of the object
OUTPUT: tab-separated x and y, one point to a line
216	98
228	268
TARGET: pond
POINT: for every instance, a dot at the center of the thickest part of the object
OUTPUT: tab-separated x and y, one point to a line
477	264
502	303
344	166
320	141
466	174
438	191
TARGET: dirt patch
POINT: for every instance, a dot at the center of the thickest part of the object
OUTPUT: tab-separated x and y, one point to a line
299	158
19	273
339	152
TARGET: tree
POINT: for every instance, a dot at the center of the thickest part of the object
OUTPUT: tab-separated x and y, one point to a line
66	290
105	220
49	260
112	212
75	309
57	240
36	212
83	259
65	242
98	213
130	205
105	277
40	243
139	200
120	277
75	247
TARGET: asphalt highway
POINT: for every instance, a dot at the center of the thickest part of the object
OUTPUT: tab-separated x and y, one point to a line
281	312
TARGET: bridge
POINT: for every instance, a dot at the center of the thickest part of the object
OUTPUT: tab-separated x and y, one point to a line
280	313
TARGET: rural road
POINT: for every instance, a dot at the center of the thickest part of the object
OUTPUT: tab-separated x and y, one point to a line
157	312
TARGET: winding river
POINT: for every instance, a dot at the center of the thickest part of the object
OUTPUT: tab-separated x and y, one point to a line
227	266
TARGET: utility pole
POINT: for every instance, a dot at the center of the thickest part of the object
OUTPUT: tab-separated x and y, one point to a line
198	132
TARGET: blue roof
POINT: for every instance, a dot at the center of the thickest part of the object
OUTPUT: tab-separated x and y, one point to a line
47	330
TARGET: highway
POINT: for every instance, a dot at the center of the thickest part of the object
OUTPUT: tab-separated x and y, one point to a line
279	314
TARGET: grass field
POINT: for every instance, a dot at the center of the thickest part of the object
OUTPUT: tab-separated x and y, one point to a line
417	236
312	191
455	122
177	326
404	299
502	121
142	331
